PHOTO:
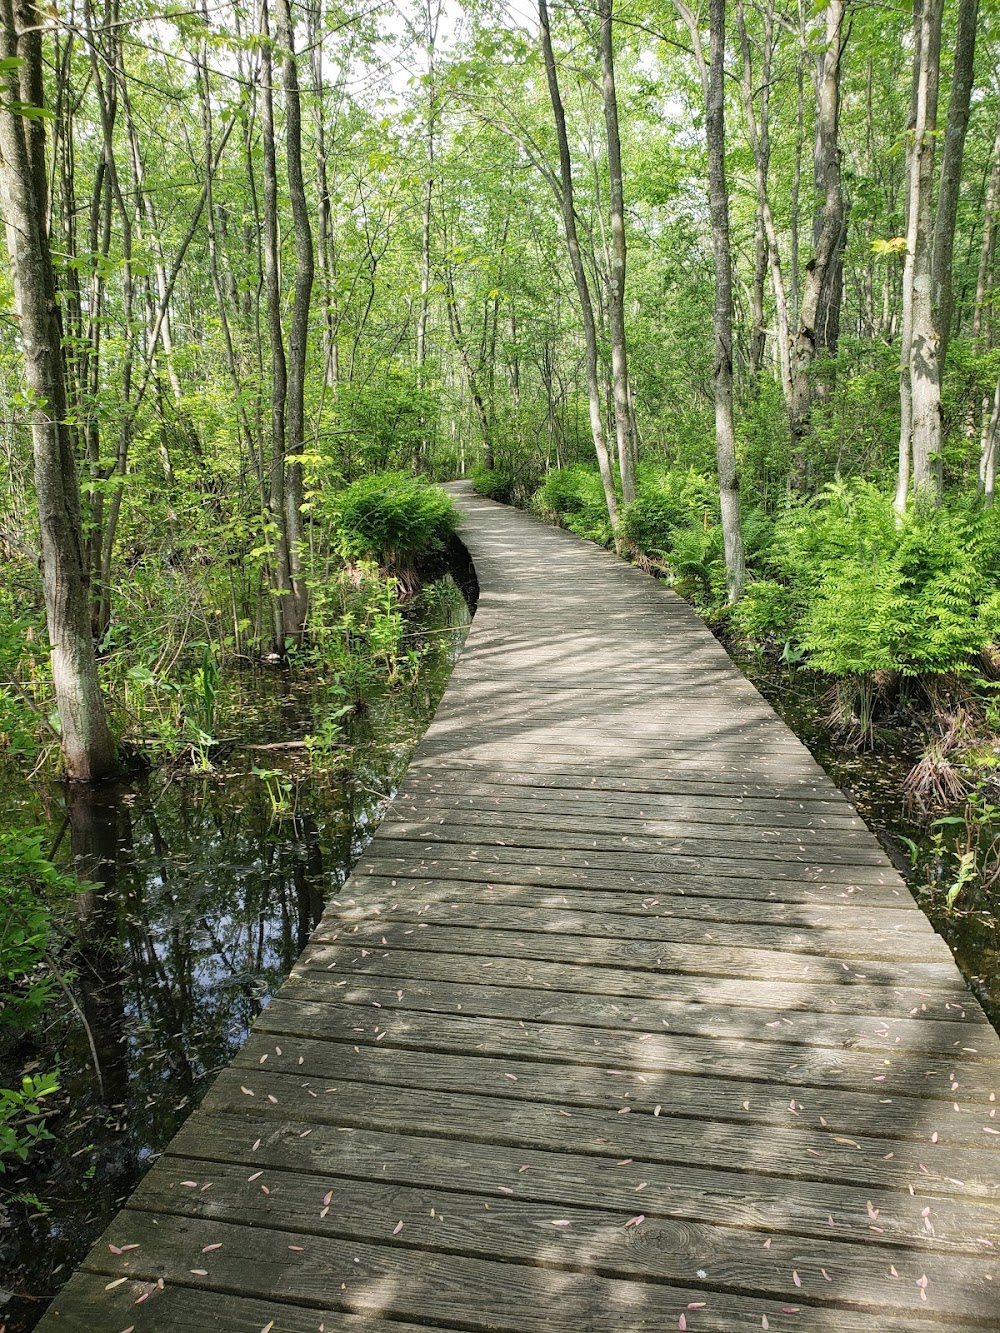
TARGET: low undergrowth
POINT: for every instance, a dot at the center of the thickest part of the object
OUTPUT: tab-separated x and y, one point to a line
181	626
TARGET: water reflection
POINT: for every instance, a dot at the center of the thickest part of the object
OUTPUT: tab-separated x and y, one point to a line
202	896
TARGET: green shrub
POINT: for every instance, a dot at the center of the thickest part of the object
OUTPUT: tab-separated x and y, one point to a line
574	498
393	518
562	491
697	560
495	483
765	609
25	691
21	1130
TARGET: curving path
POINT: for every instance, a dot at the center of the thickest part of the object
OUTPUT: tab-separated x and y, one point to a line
623	1022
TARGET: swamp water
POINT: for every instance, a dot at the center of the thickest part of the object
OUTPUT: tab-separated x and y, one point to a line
208	887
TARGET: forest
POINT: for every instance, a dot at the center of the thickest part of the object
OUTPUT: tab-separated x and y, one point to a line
711	285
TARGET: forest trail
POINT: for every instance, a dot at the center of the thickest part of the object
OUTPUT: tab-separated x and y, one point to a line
623	1021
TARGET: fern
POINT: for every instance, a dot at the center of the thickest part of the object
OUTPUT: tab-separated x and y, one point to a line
393	518
869	593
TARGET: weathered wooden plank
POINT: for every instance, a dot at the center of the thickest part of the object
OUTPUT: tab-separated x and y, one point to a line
696	760
390	858
636	833
743	714
817	995
588	1240
84	1305
784	771
816	1209
789	1153
705	811
389	1279
701	1096
373	893
733	853
942	1039
702	739
871	943
536	849
744	791
656	955
910	1071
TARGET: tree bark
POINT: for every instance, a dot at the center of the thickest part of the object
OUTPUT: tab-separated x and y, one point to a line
951	173
760	143
758	331
283	604
713	86
324	209
987	247
616	286
820	290
87	745
471	373
579	272
298	334
924	365
989	408
906	313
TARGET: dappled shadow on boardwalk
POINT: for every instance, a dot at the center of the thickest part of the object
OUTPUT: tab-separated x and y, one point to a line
623	1022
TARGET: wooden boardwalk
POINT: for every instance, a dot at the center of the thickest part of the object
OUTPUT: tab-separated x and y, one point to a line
623	1022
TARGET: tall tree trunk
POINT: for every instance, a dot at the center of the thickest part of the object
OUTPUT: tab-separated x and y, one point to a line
713	85
616	287
924	366
576	262
821	288
987	247
298	334
988	449
906	313
760	143
758	331
87	745
324	210
725	436
283	602
222	300
471	372
951	173
431	18
796	192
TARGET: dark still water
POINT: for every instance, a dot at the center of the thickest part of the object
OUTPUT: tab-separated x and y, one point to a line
207	889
